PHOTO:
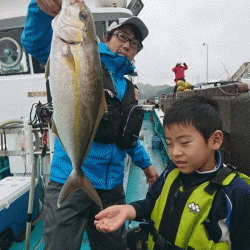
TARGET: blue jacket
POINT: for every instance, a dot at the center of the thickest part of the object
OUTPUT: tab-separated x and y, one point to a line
229	217
104	165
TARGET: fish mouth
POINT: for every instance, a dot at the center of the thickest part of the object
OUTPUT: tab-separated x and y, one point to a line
67	37
70	26
70	42
68	30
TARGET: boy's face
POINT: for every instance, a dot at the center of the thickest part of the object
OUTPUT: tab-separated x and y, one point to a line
188	149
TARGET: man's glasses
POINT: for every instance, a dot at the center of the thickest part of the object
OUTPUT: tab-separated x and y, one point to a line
123	38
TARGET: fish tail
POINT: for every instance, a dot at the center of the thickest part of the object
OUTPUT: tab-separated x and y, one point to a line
75	181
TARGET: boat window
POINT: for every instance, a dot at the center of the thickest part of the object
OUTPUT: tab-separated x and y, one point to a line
13	58
100	30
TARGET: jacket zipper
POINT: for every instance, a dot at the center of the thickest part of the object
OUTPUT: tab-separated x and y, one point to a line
109	165
113	86
128	118
111	93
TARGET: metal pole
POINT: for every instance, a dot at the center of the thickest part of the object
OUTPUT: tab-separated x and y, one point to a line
207	63
207	60
30	163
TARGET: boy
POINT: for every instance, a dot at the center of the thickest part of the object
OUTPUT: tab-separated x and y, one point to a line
197	203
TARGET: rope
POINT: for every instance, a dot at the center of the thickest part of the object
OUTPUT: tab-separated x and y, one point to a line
226	93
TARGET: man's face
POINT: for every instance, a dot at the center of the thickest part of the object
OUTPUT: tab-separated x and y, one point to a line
119	47
188	149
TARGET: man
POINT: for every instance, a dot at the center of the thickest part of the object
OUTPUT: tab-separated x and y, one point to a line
104	165
179	74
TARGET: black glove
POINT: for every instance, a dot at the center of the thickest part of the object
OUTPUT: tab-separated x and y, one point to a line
184	64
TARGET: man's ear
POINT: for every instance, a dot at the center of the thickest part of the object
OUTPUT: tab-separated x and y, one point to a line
216	139
105	38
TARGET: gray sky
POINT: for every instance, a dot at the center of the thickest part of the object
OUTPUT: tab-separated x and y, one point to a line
178	29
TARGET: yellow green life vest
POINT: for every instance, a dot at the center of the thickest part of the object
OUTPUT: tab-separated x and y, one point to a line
187	211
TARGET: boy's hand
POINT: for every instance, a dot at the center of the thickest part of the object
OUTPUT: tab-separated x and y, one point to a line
51	7
112	218
151	175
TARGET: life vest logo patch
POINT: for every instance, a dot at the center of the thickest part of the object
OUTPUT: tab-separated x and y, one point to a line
194	208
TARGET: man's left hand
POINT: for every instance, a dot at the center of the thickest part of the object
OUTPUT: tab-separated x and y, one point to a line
136	94
151	175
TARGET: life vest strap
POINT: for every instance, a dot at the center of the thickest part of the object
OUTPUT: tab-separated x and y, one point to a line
162	244
216	183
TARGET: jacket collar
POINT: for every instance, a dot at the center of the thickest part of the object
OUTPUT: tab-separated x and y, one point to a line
117	65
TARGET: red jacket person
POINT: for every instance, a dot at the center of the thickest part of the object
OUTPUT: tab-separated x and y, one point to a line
179	71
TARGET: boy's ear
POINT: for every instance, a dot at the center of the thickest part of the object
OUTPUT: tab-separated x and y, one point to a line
216	139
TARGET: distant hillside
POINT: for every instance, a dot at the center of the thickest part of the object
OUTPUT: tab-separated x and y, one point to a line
146	91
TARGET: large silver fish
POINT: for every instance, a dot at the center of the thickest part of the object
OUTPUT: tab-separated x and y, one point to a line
77	89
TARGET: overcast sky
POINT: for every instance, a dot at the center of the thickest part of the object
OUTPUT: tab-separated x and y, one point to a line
177	31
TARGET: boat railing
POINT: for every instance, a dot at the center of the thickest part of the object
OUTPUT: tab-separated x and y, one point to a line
21	143
244	68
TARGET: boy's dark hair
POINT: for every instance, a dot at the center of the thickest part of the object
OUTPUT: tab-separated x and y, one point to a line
201	112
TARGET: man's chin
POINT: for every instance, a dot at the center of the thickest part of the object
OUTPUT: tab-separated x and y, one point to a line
121	54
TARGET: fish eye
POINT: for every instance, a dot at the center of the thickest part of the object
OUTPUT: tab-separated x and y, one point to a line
82	15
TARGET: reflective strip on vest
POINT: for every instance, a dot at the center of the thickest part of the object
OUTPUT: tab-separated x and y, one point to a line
191	231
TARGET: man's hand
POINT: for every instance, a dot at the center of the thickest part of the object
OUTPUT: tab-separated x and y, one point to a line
51	7
184	64
112	218
151	175
136	94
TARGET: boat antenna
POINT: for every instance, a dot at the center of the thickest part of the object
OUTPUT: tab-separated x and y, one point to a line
226	70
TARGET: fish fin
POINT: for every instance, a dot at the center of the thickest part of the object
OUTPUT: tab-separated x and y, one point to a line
54	130
47	69
69	58
97	39
65	50
103	103
78	180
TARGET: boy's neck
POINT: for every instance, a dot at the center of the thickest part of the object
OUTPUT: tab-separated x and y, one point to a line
211	164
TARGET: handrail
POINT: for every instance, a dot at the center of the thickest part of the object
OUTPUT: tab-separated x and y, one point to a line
240	73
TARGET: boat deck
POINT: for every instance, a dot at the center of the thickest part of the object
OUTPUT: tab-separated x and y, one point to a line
136	188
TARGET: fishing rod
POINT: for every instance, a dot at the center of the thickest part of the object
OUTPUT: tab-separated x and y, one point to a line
42	119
